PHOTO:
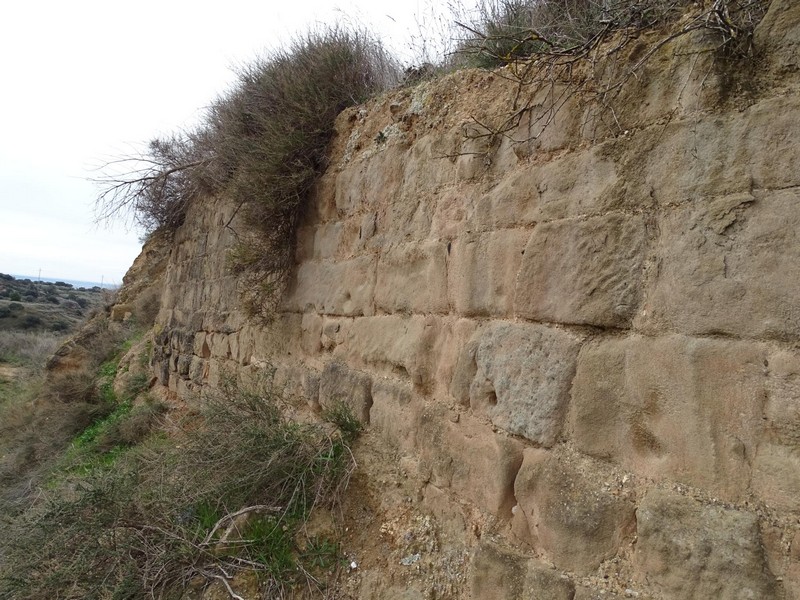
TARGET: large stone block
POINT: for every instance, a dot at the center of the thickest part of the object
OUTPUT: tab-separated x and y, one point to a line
776	468
476	463
502	574
412	278
778	37
483	272
340	385
335	288
576	522
522	378
689	550
729	265
575	184
583	271
497	573
404	346
396	413
682	408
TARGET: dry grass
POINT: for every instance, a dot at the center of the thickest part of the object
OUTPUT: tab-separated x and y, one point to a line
151	520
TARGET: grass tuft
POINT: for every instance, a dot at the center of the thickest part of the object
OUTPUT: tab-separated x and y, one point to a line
228	495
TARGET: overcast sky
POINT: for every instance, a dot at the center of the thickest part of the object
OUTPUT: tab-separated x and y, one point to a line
86	81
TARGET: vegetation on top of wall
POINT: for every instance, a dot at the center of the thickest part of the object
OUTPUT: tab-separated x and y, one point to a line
506	31
263	144
557	50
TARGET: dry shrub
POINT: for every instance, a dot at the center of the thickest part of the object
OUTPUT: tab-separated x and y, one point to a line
152	521
505	31
31	348
263	144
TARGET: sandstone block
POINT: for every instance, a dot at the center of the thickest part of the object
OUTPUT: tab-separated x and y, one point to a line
335	288
473	461
779	34
454	208
201	347
404	346
197	370
497	573
412	277
543	583
396	413
341	385
577	523
483	272
689	550
183	365
522	378
729	265
683	408
333	332
503	574
583	271
776	468
220	348
310	333
326	240
578	183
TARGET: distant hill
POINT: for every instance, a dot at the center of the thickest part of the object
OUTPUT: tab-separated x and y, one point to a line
30	305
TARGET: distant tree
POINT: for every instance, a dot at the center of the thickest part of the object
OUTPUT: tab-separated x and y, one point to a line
15	296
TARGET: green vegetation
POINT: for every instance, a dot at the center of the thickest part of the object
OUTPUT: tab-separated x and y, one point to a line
226	494
40	306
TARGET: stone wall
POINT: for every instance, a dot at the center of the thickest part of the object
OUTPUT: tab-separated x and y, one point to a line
589	334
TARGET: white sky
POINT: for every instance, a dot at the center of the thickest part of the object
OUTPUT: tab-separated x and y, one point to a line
86	81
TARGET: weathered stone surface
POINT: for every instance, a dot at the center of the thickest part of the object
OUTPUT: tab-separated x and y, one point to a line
583	271
502	574
522	379
335	288
689	550
483	271
497	573
413	278
340	385
220	348
683	408
461	453
543	583
776	468
402	345
396	413
578	183
730	265
577	523
778	37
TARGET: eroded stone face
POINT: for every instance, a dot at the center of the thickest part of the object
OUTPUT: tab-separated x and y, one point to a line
583	271
340	385
522	379
691	550
683	408
575	521
729	265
